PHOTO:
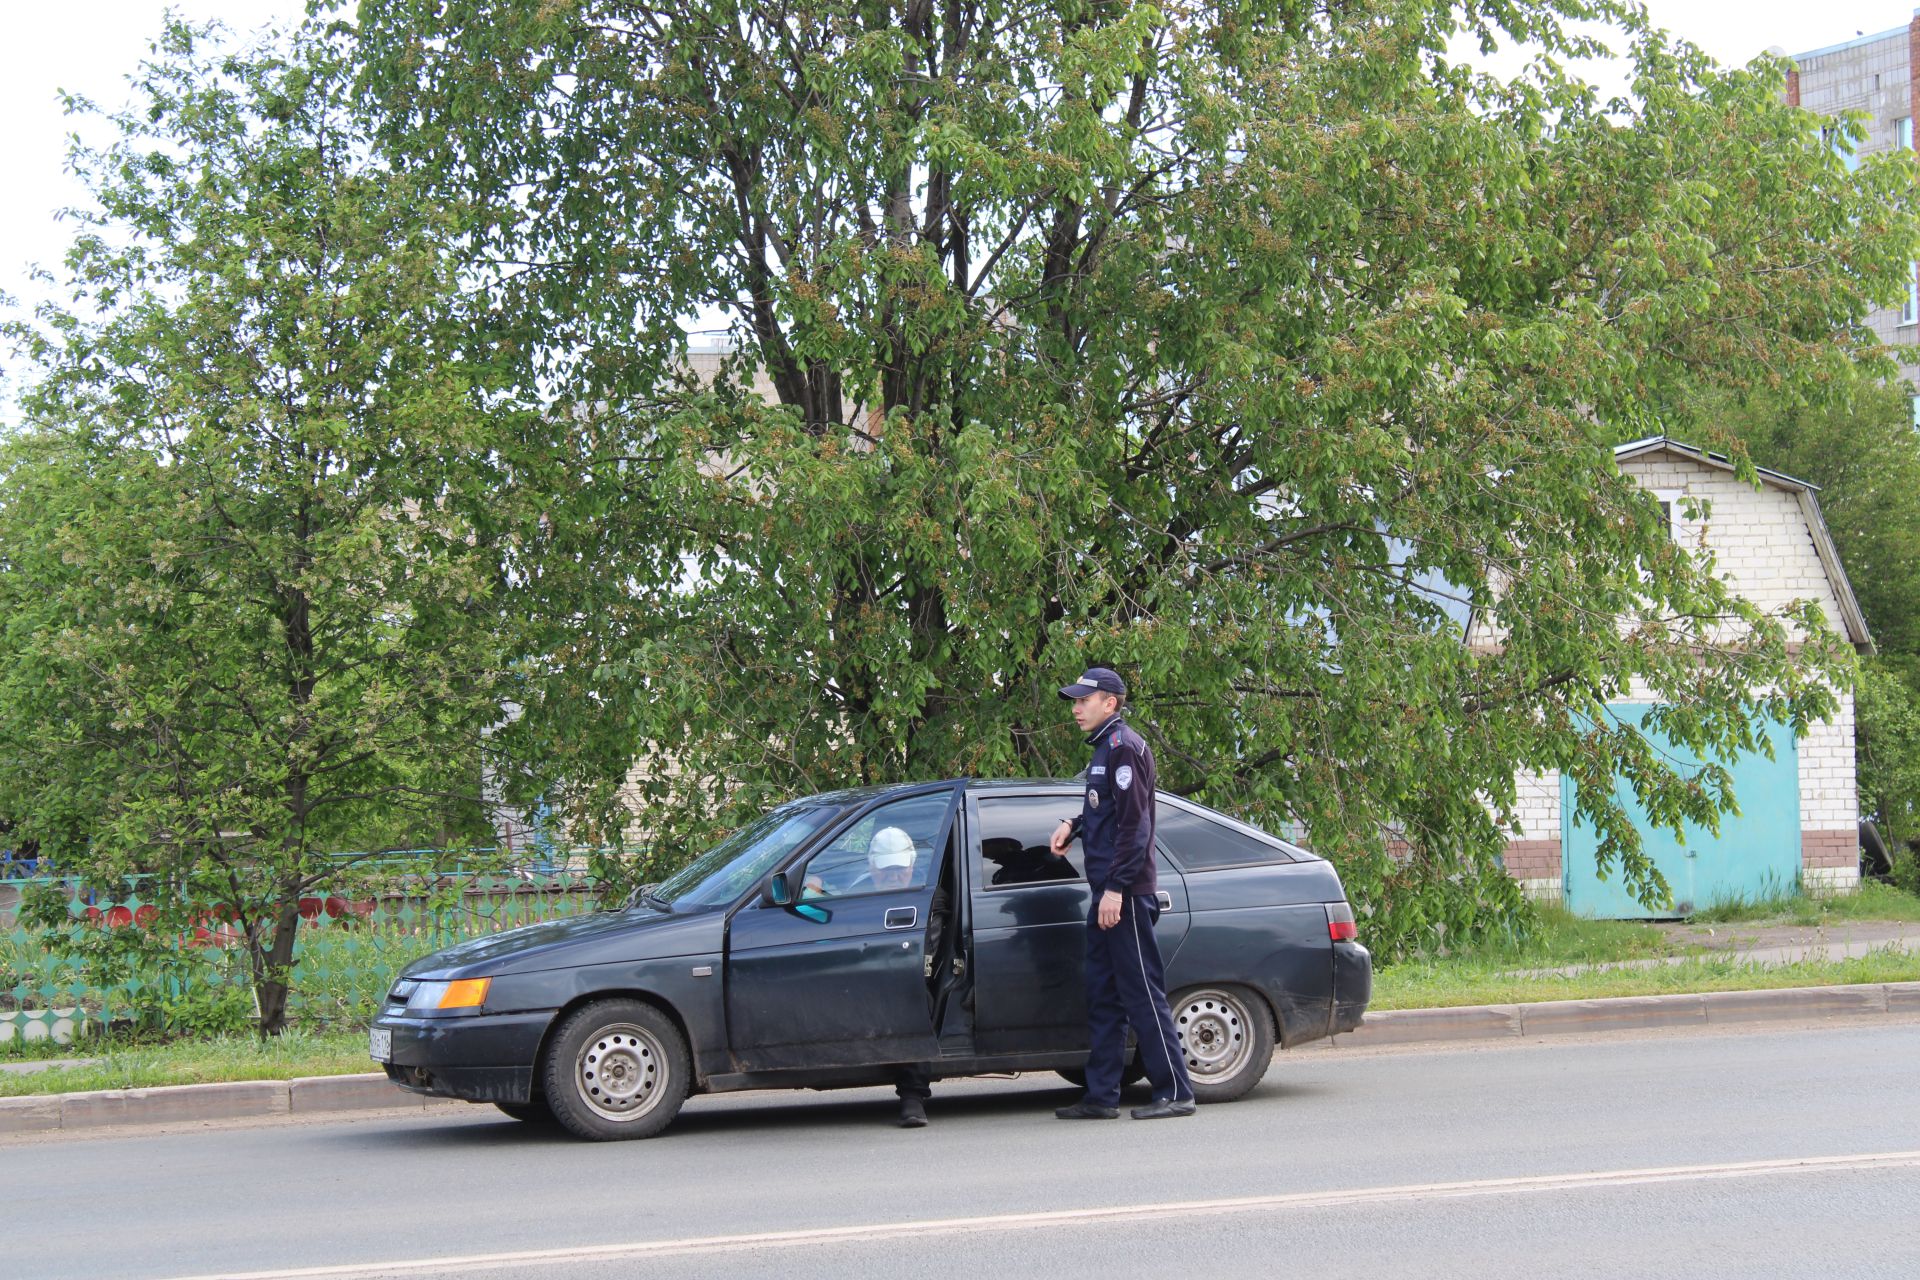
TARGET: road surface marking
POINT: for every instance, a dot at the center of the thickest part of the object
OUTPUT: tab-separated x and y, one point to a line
641	1250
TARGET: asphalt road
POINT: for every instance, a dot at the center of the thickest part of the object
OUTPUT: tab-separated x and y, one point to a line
1775	1154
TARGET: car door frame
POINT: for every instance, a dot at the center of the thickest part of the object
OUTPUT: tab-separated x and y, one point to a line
1001	951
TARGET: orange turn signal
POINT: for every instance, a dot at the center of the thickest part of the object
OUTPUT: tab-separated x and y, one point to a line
465	993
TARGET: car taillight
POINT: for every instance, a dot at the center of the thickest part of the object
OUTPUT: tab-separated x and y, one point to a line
1340	925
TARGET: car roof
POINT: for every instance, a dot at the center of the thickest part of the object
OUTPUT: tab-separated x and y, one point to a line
858	795
852	796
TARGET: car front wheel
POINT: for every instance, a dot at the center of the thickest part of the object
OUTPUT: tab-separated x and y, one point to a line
1227	1036
616	1069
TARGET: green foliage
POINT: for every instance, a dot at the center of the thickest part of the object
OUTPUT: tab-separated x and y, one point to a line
255	528
223	1010
1855	438
1888	754
1248	347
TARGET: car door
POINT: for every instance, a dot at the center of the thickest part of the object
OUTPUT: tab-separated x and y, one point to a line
1030	924
836	977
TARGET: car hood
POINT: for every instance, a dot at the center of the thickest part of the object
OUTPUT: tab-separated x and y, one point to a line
639	934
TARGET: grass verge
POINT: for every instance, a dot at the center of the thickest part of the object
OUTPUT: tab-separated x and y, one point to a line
1452	983
138	1066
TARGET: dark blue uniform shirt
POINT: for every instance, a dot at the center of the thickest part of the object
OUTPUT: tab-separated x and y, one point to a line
1115	825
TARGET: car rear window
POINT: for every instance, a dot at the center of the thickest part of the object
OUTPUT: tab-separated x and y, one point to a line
1199	843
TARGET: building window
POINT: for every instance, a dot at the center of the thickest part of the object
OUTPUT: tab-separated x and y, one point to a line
1670	513
1910	309
1903	133
1916	412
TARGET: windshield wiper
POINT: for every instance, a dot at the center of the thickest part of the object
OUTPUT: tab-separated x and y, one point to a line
649	898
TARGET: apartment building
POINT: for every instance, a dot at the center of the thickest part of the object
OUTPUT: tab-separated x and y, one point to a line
1878	76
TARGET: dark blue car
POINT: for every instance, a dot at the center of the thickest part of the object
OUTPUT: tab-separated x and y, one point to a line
844	935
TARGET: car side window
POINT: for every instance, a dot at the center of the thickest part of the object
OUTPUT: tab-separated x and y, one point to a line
1013	835
890	849
1200	843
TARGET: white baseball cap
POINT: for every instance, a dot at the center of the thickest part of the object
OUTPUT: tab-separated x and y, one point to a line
891	847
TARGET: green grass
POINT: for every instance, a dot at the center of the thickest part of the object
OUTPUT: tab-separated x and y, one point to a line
137	1066
1562	938
1874	901
1494	972
1428	986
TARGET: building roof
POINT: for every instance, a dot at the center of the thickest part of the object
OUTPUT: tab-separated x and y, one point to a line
1854	43
1851	619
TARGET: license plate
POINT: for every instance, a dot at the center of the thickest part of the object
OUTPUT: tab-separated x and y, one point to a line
380	1044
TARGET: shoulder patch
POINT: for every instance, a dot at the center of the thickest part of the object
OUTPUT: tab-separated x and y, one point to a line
1114	741
1124	777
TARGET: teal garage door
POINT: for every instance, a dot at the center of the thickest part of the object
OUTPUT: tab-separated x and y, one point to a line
1756	854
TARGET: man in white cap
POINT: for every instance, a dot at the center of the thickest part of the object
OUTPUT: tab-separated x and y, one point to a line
890	859
890	855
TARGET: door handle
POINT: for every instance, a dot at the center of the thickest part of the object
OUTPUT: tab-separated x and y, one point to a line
901	917
1165	900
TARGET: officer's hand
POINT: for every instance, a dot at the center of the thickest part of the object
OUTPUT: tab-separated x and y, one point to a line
1110	908
1062	837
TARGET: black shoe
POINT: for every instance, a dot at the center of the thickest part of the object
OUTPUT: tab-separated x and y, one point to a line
1084	1110
913	1114
1163	1108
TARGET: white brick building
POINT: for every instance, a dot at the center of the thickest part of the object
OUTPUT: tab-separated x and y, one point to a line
1772	546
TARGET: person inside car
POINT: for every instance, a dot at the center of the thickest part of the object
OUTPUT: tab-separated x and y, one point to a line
890	857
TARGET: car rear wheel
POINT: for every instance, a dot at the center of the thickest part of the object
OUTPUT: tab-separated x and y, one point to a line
1227	1036
616	1069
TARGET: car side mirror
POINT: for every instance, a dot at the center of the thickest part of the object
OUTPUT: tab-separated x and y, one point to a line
778	892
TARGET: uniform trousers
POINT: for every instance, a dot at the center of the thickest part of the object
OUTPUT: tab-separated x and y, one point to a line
1127	987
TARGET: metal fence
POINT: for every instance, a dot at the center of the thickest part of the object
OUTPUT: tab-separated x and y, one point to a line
349	945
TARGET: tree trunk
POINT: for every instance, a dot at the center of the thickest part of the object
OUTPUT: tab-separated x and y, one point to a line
272	977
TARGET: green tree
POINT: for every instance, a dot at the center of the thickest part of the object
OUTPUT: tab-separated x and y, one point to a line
255	525
1244	346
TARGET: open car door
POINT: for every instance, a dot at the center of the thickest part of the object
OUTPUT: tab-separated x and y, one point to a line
837	976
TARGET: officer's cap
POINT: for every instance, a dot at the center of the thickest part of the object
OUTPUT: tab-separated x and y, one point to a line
1093	679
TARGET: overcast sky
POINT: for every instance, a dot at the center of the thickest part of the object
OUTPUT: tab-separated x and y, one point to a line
89	47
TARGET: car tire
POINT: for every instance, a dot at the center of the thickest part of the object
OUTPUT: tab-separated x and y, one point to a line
1226	1033
616	1069
527	1112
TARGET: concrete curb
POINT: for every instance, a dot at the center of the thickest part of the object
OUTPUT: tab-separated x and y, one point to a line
1633	1013
189	1103
317	1095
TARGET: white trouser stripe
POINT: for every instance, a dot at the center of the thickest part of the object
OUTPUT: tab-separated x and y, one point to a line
1140	954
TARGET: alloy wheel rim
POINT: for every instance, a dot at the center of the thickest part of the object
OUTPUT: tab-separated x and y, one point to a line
1213	1033
619	1072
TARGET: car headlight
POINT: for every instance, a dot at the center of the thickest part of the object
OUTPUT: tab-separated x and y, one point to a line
459	993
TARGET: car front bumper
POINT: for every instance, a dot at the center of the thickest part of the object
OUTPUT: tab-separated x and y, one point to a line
487	1057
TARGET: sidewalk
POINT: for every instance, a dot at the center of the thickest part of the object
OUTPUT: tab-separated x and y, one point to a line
320	1095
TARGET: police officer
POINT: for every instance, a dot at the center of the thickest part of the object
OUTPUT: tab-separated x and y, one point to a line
1125	983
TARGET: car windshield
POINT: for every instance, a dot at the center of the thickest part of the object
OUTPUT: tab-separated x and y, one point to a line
730	868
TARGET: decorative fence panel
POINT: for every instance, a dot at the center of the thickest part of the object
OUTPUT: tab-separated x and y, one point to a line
349	946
